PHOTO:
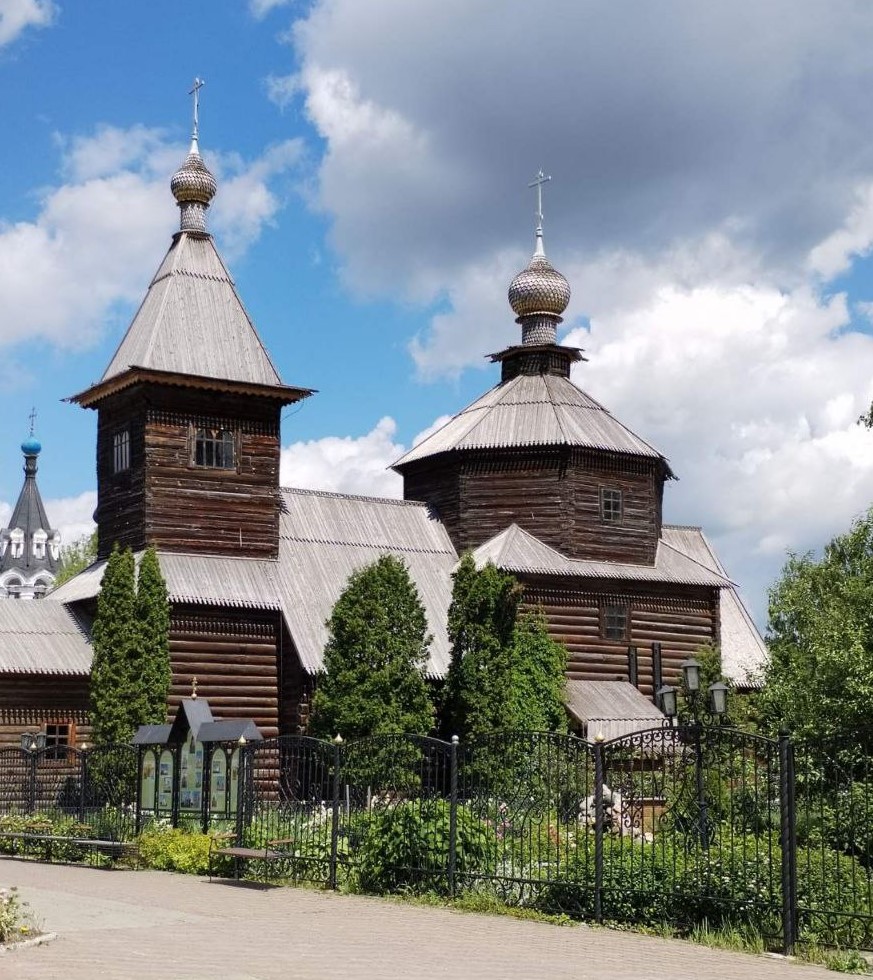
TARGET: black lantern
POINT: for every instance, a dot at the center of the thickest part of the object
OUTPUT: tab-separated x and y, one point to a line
718	693
667	699
691	675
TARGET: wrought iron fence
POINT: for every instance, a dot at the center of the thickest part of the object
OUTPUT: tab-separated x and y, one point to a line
681	824
93	790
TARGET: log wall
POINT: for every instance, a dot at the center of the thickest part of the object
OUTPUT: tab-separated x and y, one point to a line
234	656
28	702
681	618
164	499
554	495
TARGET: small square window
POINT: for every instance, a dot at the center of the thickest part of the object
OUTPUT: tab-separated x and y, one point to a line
613	620
57	740
215	449
121	451
610	505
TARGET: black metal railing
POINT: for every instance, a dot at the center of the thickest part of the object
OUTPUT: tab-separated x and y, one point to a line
679	824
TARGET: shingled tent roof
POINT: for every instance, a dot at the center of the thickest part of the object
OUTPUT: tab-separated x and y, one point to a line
533	410
192	325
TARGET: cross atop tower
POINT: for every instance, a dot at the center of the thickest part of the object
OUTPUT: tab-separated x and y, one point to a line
538	182
32	418
198	84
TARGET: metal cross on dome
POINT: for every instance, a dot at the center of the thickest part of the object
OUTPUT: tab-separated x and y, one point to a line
198	84
32	418
538	182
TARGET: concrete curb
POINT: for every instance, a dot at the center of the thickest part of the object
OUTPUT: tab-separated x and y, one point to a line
46	937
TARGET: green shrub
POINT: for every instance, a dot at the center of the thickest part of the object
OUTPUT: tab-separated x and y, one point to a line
175	849
405	847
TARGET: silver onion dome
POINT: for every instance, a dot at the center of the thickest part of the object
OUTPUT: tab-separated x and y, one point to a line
539	289
193	186
193	182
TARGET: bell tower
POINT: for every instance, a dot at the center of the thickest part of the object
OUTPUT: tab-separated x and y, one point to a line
188	409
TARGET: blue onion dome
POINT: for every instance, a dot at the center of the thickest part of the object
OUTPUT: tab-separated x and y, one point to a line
31	446
539	289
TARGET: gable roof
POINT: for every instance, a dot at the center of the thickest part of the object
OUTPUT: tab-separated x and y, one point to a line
609	709
516	550
743	650
325	537
532	410
192	321
41	637
197	579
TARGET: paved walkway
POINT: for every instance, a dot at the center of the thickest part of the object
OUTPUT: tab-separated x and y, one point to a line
140	925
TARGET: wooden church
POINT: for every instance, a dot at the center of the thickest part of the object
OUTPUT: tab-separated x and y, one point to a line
534	476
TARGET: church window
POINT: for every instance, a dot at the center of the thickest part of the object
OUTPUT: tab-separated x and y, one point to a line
614	621
39	540
215	448
121	451
16	542
58	739
610	505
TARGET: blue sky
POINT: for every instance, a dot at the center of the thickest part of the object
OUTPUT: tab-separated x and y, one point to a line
712	207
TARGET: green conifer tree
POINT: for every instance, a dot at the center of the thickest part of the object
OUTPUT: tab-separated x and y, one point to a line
375	658
114	687
153	653
506	673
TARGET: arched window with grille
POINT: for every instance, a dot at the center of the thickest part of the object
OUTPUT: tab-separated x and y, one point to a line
215	448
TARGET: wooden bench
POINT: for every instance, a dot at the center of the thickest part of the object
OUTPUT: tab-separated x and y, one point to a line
220	846
113	848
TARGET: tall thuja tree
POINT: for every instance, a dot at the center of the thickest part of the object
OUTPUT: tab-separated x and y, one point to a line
375	658
506	673
115	692
153	651
481	623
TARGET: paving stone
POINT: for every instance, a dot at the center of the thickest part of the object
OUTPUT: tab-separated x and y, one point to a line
149	925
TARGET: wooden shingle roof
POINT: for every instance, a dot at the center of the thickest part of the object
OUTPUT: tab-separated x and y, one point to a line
532	410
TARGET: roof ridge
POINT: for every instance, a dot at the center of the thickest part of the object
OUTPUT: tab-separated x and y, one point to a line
683	527
355	496
384	547
699	564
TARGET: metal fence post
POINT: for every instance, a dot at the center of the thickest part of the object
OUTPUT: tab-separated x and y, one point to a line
598	828
453	816
83	783
137	825
703	821
788	843
31	789
242	792
334	823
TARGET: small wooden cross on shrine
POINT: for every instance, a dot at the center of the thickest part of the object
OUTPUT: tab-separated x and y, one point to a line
32	418
198	84
538	182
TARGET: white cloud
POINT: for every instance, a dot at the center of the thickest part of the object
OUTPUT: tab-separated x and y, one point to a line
260	8
282	89
73	516
17	15
854	238
345	464
437	124
96	234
